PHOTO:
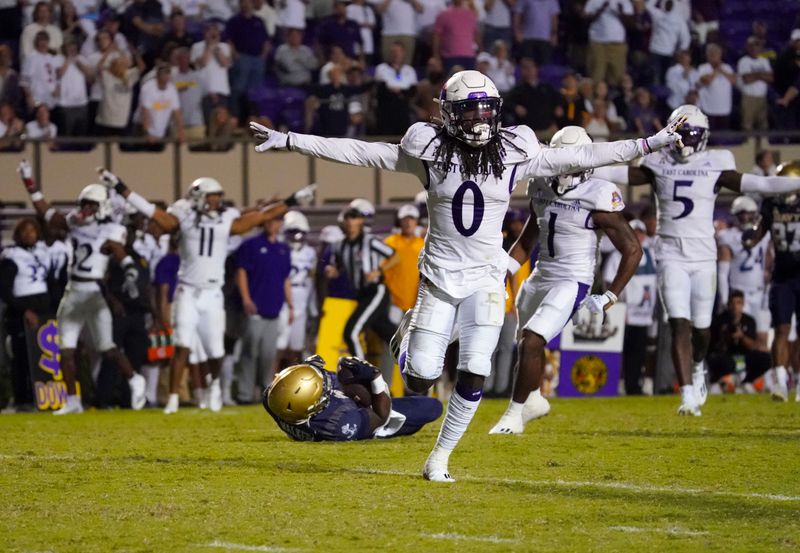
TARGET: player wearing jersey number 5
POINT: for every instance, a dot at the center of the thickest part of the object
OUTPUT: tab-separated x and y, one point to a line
205	226
687	180
567	213
96	240
470	166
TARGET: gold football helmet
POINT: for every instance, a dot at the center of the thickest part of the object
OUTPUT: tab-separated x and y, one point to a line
298	393
789	169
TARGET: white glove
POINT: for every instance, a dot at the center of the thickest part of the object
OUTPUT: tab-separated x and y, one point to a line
130	286
272	139
596	303
305	194
666	136
25	170
107	178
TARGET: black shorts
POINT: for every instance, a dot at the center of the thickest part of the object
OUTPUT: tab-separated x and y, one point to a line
784	301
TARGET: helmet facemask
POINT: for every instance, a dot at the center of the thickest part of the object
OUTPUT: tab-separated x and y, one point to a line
562	184
694	140
474	121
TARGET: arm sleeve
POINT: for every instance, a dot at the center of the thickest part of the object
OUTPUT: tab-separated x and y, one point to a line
754	184
723	284
382	248
618	174
379	155
550	162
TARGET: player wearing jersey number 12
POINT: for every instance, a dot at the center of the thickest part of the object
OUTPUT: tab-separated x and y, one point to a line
470	166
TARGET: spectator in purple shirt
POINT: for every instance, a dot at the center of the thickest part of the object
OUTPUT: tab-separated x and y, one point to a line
249	41
337	30
536	28
143	25
264	265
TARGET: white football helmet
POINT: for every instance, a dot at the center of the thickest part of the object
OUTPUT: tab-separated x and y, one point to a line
470	107
99	194
745	209
331	234
295	228
200	189
565	138
694	132
363	206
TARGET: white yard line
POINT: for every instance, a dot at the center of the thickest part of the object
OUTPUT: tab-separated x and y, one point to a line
673	531
244	547
603	485
461	537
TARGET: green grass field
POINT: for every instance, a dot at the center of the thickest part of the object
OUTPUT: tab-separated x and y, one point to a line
595	475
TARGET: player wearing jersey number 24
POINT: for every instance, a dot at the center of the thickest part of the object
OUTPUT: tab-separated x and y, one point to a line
469	166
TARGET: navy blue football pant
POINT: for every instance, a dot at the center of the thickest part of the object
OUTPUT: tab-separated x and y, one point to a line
419	411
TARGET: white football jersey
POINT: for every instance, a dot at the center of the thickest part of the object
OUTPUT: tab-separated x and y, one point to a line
203	244
60	257
149	249
87	241
33	265
567	236
747	266
304	262
463	249
685	197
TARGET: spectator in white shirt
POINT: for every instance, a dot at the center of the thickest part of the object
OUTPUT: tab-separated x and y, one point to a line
765	164
110	24
268	15
42	21
41	128
291	15
608	48
72	97
39	79
399	25
425	23
679	79
497	24
714	81
117	82
755	74
212	58
159	106
363	14
499	68
396	85
670	34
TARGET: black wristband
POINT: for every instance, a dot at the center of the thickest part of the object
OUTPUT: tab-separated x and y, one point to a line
290	201
120	187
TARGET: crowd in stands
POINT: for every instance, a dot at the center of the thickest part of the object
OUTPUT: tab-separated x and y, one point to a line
190	69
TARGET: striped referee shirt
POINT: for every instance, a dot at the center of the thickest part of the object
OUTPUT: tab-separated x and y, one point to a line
360	256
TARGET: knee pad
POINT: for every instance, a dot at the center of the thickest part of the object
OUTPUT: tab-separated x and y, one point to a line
475	363
423	365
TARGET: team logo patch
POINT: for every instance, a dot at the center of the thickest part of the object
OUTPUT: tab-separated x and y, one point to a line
349	430
616	200
589	374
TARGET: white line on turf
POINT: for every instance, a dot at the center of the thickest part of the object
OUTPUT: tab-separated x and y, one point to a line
461	537
244	547
627	486
672	531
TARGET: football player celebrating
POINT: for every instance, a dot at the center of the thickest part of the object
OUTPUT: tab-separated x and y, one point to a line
687	179
292	340
205	225
744	268
312	404
780	217
567	213
470	166
96	240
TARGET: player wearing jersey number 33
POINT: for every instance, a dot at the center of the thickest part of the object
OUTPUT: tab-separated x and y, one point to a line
469	166
205	225
687	179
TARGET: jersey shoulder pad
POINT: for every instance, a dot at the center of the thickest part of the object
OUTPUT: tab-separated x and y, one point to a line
603	195
520	143
722	160
116	232
180	209
420	140
729	237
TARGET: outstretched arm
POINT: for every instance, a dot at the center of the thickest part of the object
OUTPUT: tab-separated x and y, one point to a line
167	221
378	155
550	162
625	176
252	219
621	235
754	184
42	206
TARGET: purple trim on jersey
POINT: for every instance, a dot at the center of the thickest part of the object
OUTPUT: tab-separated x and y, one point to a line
511	181
401	362
583	289
480	94
468	393
589	220
427	184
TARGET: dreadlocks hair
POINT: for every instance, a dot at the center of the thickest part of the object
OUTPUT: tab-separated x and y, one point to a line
474	161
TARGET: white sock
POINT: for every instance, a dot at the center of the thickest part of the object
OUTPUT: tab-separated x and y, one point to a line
687	395
460	411
781	376
698	367
151	388
515	408
226	373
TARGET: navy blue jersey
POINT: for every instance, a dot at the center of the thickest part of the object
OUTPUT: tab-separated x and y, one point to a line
341	420
782	217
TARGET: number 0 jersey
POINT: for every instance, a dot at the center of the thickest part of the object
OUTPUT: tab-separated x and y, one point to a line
685	196
88	261
203	244
782	217
747	266
567	235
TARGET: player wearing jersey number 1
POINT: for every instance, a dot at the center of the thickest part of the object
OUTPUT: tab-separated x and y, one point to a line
205	226
687	180
96	240
567	213
470	166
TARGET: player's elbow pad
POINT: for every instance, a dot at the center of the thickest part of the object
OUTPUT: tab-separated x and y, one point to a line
754	184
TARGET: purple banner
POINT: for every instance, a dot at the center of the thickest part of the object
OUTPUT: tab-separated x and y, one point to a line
589	374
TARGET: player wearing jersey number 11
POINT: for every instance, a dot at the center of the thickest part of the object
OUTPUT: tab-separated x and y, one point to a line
205	225
687	179
470	166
